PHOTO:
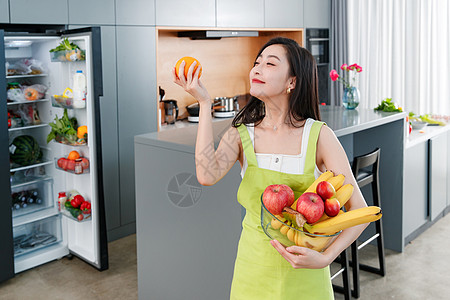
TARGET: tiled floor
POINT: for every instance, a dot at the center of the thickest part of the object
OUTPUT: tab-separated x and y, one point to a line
422	271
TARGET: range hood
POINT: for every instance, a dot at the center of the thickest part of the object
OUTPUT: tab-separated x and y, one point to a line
216	34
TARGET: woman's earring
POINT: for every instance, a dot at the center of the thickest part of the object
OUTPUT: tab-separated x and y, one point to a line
288	90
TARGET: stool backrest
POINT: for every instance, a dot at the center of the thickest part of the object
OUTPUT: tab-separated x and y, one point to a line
366	160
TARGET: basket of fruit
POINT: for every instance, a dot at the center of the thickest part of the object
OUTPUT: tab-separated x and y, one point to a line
316	218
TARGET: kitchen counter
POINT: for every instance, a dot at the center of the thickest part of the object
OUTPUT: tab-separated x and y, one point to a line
187	234
420	136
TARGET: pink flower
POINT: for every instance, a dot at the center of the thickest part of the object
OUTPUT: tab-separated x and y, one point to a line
352	67
334	75
344	67
358	68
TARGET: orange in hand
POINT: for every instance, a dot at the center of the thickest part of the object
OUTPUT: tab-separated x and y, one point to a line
188	60
73	155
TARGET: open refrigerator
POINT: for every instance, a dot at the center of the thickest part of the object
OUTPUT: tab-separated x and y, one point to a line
35	226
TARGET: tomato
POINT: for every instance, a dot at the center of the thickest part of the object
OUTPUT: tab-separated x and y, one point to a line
70	165
61	162
80	217
84	163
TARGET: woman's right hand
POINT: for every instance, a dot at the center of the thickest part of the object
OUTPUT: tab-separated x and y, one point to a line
192	83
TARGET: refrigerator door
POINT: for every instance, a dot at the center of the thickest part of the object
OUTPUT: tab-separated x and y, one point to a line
6	250
88	240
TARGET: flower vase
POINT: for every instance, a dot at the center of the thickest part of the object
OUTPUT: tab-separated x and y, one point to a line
350	99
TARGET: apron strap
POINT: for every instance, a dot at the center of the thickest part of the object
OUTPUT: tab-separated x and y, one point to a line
247	145
310	159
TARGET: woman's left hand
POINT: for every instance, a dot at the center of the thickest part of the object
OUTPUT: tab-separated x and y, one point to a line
301	257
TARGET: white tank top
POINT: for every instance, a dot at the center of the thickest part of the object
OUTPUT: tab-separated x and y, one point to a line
291	164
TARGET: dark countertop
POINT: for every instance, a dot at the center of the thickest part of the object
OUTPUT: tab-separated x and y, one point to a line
341	120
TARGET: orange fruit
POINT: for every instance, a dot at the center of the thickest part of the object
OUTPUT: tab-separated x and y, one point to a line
189	60
73	155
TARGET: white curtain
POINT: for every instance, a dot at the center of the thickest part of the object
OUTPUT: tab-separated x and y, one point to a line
404	48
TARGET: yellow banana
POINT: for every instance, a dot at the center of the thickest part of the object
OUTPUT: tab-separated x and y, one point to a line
291	234
275	223
345	220
325	217
337	181
344	193
312	188
284	229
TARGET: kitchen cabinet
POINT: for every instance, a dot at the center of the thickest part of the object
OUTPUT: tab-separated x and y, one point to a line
135	12
290	10
235	13
415	188
317	13
196	13
39	12
4	11
438	175
98	12
136	105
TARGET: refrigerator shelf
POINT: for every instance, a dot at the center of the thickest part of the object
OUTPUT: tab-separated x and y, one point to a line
84	171
26	76
86	217
28	127
45	160
27	102
30	181
34	217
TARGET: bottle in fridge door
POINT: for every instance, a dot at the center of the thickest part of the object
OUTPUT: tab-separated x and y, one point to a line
50	154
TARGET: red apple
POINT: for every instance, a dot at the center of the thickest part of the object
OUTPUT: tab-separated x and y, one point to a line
291	194
332	207
276	197
311	206
325	190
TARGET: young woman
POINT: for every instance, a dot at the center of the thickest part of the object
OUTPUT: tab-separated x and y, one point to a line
278	139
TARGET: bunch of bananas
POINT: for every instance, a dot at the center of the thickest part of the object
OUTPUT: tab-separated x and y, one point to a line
325	225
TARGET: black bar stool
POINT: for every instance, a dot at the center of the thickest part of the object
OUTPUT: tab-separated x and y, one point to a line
344	270
363	177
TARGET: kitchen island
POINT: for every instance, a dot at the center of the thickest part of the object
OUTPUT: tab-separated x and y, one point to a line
187	234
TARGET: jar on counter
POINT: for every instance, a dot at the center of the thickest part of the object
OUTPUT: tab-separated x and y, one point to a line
62	198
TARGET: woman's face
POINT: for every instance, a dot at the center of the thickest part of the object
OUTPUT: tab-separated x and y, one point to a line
270	75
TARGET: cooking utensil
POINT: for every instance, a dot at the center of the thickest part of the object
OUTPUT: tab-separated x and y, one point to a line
170	111
224	104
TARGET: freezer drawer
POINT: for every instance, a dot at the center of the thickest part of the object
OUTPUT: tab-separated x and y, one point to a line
37	235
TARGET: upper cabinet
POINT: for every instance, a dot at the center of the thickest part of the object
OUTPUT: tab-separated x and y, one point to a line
88	12
39	12
236	13
4	11
317	13
138	12
185	13
283	13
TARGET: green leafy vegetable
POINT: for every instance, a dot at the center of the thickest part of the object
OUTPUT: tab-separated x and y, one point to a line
65	45
63	127
425	118
388	106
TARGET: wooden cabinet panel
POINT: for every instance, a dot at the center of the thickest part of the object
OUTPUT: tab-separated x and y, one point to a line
283	13
98	12
135	12
39	12
235	13
185	13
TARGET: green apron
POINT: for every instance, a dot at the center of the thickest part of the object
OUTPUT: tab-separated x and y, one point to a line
260	272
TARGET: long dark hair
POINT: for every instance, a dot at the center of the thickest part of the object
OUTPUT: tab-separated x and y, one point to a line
303	100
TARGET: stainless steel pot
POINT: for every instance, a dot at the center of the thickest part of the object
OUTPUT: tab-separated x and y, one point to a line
224	104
